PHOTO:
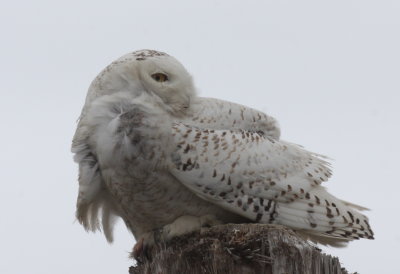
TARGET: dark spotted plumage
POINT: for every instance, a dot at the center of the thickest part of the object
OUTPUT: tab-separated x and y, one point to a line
279	174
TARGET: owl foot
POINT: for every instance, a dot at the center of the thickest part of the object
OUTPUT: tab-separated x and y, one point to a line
187	224
182	225
138	249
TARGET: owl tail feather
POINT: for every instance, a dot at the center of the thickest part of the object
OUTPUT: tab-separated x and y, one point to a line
324	218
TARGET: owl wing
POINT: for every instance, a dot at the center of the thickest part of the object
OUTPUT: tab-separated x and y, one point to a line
214	113
263	179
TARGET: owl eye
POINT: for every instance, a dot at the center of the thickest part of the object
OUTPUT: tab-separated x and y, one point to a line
159	77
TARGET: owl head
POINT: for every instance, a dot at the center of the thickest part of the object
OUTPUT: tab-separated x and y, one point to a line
146	71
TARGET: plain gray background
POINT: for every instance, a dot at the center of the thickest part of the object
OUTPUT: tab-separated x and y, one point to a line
327	70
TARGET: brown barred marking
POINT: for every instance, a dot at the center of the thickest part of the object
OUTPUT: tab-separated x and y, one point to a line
251	184
266	208
258	217
181	143
273	213
256	208
351	216
329	213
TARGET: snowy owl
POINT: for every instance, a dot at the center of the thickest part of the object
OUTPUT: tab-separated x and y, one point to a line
163	159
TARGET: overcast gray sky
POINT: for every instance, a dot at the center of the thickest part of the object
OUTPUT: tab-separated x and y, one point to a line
327	70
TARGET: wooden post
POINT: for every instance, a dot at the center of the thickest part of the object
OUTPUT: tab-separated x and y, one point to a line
238	248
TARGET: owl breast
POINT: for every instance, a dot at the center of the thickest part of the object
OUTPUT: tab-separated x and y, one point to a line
148	202
133	158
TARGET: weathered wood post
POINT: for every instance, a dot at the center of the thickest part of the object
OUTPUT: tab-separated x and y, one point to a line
238	248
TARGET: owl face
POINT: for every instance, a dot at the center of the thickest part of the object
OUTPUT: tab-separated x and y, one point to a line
147	71
165	77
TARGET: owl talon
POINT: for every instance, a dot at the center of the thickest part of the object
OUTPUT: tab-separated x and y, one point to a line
138	249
